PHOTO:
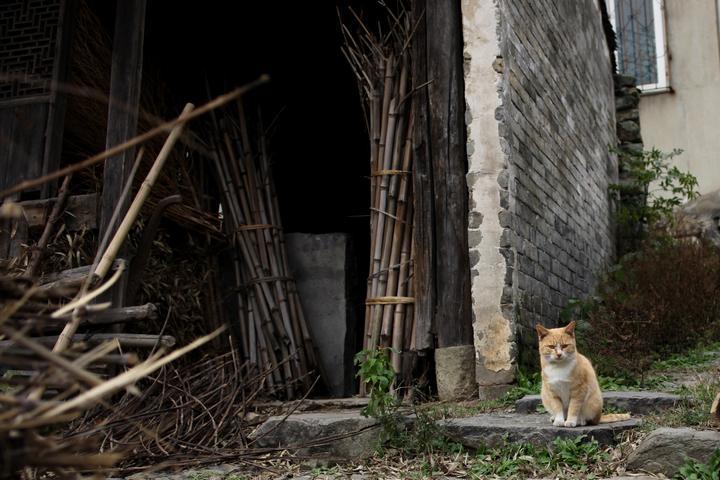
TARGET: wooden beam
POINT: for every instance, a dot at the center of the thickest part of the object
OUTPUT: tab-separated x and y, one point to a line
58	100
442	270
80	211
127	340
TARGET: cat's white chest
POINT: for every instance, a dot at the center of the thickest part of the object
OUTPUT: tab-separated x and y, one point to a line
558	378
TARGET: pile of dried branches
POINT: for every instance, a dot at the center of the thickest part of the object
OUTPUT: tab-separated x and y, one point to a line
270	324
382	65
198	414
60	385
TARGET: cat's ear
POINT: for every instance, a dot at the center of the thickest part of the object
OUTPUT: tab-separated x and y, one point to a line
570	329
542	331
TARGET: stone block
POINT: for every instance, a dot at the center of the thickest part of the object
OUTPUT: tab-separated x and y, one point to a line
455	372
336	435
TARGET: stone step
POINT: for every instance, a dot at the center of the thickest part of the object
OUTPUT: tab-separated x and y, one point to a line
493	429
638	403
347	435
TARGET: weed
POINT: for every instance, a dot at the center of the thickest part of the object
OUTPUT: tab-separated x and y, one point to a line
693	470
376	371
441	411
692	410
566	459
698	356
325	470
528	384
423	435
656	302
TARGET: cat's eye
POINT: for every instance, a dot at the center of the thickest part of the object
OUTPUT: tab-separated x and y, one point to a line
564	345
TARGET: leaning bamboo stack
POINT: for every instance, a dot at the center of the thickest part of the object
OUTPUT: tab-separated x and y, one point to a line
382	66
270	324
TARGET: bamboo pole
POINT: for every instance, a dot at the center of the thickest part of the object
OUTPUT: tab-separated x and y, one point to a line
142	195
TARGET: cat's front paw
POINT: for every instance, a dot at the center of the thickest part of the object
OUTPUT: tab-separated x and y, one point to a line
559	421
570	423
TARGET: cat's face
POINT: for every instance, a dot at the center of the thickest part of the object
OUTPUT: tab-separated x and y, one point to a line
557	344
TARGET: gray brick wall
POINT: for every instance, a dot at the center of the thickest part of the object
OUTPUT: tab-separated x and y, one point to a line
557	123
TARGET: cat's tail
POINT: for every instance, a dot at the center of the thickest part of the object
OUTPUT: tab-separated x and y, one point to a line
614	417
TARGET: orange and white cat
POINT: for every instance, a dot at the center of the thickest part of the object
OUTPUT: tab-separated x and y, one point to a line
570	390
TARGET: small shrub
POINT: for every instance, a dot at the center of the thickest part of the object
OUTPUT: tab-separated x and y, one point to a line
661	300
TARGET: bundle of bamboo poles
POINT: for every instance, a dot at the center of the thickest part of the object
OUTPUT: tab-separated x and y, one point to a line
382	66
270	324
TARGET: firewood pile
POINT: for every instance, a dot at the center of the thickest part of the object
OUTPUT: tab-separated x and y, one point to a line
381	62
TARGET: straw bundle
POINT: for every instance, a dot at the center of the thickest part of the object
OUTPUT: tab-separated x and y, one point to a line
382	65
270	324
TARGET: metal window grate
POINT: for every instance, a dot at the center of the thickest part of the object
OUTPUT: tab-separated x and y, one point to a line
635	28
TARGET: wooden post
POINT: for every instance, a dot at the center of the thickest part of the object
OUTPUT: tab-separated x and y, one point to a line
442	271
424	237
125	87
453	320
58	100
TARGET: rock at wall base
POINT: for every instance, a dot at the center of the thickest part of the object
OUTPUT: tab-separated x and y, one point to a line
455	372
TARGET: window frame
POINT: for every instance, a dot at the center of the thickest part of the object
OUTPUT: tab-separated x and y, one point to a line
661	48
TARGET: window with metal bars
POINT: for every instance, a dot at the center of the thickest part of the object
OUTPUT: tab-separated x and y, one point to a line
640	32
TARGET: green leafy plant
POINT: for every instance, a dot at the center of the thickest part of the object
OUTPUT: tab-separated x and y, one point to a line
650	175
693	470
377	373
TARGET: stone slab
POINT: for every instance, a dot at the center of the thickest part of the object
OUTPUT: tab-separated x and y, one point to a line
320	265
666	449
321	434
492	429
638	403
